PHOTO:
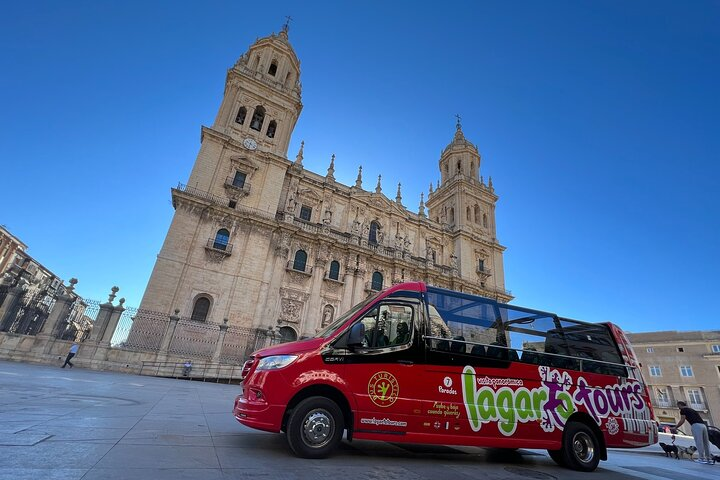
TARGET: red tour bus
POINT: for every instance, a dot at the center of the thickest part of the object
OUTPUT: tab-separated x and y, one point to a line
420	364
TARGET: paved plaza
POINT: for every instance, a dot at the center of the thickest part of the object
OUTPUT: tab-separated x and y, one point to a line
81	424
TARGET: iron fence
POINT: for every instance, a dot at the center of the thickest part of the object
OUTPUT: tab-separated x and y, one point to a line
140	329
26	311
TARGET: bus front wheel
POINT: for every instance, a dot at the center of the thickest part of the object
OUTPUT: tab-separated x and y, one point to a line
581	448
315	427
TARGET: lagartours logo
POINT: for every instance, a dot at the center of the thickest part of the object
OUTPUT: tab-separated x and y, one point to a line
557	398
383	389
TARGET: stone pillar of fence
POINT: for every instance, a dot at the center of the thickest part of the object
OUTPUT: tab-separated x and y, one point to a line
7	309
220	341
103	318
169	332
57	320
112	323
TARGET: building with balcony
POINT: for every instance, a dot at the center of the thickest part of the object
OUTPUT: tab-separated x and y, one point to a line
681	366
299	247
28	291
10	248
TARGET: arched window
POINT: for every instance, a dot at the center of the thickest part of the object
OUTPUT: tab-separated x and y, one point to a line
459	170
467	213
221	239
451	219
377	281
271	129
300	260
287	334
201	309
242	113
484	220
273	68
476	213
334	270
257	118
372	237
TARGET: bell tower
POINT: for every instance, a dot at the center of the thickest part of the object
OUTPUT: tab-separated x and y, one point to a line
465	206
262	95
248	142
240	168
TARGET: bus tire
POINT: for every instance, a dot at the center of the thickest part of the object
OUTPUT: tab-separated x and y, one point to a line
557	457
315	427
581	448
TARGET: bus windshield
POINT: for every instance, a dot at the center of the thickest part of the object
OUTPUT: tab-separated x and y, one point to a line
332	328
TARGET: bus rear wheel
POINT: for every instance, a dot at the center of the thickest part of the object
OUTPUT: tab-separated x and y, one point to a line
315	427
581	448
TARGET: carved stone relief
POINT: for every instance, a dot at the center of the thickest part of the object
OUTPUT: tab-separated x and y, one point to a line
290	310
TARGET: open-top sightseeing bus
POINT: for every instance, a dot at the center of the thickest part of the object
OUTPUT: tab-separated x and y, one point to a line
420	364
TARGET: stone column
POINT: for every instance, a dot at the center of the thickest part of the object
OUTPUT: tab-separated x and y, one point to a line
270	315
112	323
170	332
314	312
57	320
8	307
269	289
359	290
220	340
103	318
347	287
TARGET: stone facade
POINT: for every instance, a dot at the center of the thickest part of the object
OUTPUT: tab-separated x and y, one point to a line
259	241
29	290
10	248
681	366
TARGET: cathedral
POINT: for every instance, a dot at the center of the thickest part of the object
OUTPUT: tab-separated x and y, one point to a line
258	241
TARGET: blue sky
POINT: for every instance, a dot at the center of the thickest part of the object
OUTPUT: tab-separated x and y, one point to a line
598	122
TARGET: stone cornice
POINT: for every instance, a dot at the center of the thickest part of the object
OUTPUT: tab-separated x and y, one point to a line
239	76
469	186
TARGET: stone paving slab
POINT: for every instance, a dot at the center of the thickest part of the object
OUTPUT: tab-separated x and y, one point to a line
87	425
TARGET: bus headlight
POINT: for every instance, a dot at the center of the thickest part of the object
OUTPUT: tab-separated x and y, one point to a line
276	361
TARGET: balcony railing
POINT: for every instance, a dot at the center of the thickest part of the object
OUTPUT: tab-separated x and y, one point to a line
291	266
219	247
697	406
483	271
244	188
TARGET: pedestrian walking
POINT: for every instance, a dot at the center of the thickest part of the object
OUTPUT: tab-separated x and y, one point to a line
73	350
699	432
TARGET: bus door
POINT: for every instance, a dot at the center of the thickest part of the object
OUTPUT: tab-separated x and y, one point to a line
383	375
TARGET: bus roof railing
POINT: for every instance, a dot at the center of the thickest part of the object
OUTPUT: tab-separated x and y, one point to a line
559	355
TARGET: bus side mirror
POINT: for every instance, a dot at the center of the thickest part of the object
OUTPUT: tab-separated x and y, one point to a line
357	335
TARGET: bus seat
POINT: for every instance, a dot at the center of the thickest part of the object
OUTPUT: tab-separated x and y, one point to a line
478	350
530	356
443	345
496	352
458	347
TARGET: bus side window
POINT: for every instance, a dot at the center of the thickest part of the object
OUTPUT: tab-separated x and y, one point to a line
595	345
389	325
